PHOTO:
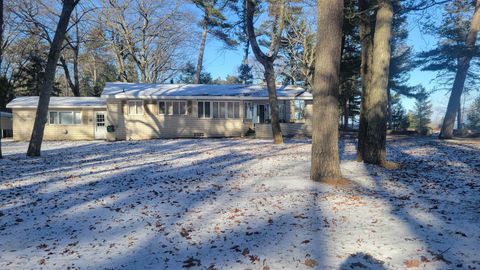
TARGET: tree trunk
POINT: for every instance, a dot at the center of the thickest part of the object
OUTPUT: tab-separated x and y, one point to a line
460	119
272	100
269	73
325	158
374	148
462	70
1	59
346	115
35	145
389	109
366	38
75	84
201	51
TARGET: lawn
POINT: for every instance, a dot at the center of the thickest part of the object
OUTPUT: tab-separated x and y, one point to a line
237	203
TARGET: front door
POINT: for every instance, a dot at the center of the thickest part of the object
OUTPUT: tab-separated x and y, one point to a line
261	114
100	126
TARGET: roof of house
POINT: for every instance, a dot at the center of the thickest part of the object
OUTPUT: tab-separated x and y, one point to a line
211	91
59	102
5	114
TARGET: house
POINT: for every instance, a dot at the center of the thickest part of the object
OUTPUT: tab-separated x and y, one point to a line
5	124
136	111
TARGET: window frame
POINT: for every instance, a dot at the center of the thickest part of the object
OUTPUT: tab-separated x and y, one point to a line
299	110
172	112
210	111
136	107
58	120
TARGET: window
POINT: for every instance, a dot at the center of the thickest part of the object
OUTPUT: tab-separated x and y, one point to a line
248	110
161	107
65	118
172	107
216	113
299	109
135	107
226	109
204	109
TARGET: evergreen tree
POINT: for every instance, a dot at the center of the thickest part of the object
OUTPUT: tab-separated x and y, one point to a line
187	75
350	84
423	112
30	77
245	74
215	23
399	119
454	56
473	115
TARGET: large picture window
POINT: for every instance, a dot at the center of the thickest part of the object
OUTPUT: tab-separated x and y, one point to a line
65	118
135	107
172	107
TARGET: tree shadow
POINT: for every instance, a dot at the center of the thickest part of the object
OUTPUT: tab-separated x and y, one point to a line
435	193
157	213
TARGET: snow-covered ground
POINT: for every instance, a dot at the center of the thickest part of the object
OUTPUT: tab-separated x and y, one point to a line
237	203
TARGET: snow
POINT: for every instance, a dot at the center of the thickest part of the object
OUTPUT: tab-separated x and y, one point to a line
59	102
146	90
237	204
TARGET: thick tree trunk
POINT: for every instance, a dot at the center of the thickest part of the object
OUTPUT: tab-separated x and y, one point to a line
325	158
35	145
374	148
269	73
201	51
459	82
366	38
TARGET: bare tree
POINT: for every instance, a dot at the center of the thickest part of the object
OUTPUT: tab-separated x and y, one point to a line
151	36
459	82
267	60
325	158
34	148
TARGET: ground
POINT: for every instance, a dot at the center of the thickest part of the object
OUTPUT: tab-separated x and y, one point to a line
239	204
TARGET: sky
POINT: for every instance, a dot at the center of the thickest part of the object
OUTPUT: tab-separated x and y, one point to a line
221	62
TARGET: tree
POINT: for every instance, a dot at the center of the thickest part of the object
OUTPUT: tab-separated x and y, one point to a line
215	23
401	62
473	115
325	157
148	38
187	75
453	54
35	144
297	49
350	84
245	75
399	119
2	84
376	54
423	112
277	9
